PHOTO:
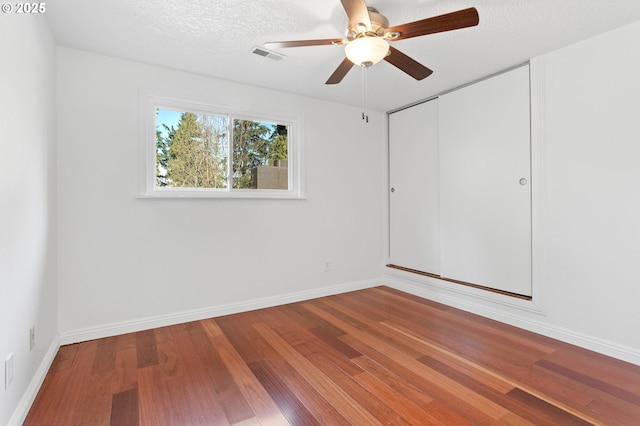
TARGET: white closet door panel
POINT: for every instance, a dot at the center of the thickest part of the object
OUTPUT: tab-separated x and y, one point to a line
485	209
413	168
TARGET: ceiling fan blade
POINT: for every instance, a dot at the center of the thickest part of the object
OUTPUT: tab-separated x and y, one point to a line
357	13
450	21
340	72
302	43
406	64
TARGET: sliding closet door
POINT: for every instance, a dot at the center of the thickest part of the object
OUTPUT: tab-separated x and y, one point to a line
485	188
413	168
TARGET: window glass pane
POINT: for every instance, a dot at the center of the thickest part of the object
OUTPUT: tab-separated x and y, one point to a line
260	154
191	150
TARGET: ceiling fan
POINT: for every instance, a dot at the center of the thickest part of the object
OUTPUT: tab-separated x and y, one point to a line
368	36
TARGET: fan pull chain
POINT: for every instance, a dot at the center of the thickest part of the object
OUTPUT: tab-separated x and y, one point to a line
365	116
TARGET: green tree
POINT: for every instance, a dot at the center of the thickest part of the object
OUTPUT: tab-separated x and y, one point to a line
163	154
214	145
250	149
194	159
194	154
278	148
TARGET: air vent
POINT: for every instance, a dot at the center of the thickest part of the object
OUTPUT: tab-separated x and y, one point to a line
267	53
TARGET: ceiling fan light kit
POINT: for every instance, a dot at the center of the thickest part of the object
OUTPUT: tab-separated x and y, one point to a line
367	51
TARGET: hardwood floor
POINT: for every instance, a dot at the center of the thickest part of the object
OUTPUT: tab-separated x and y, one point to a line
375	356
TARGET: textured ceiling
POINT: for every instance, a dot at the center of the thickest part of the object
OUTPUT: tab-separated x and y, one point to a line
215	38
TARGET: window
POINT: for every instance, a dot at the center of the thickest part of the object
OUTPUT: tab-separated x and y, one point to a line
194	150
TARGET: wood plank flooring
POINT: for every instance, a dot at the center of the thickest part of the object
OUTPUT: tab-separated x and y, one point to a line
369	357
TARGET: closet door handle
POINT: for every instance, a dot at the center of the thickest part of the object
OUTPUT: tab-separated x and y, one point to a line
523	181
393	190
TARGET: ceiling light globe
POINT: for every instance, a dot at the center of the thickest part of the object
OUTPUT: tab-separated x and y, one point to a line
367	51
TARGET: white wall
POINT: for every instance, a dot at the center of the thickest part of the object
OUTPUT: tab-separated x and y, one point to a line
126	263
28	294
592	186
586	202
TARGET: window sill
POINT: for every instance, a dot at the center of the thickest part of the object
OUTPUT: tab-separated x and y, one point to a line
226	195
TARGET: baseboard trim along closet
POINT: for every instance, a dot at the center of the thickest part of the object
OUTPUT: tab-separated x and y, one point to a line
438	277
516	313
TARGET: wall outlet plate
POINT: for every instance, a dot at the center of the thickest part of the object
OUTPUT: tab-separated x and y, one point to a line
32	337
8	370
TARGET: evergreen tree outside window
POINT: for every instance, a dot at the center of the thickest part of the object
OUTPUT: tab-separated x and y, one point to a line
193	153
200	154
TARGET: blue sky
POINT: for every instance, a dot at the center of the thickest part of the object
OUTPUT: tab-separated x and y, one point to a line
168	117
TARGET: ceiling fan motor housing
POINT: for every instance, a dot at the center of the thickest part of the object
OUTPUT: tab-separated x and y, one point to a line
379	23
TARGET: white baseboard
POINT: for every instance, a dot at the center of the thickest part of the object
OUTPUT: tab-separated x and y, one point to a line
21	411
114	329
487	308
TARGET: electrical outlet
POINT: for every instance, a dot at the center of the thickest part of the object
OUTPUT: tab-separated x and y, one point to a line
8	370
32	337
327	265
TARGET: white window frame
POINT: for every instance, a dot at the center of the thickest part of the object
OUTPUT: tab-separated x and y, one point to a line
147	179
